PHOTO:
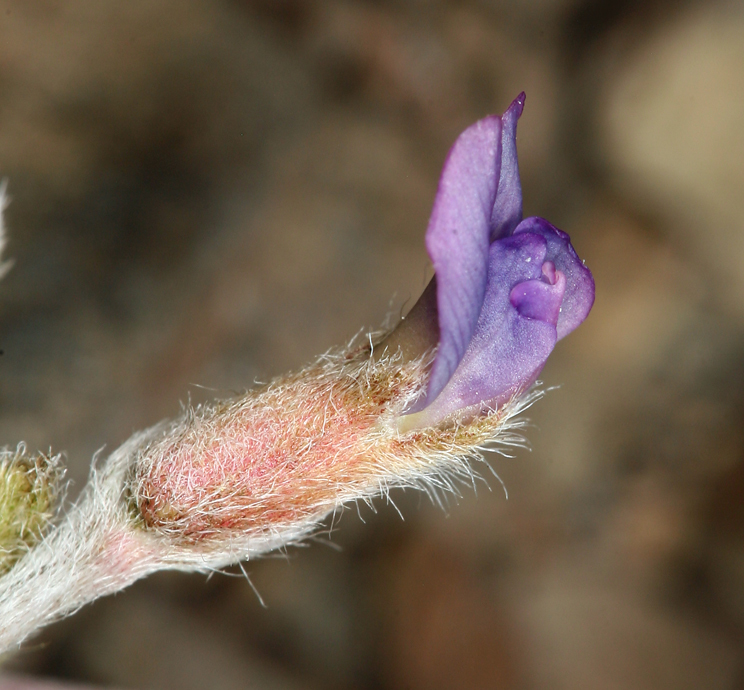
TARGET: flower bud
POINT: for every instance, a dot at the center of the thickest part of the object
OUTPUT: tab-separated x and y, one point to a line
29	488
264	469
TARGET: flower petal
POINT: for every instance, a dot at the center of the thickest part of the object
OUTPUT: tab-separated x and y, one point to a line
509	348
536	299
458	238
507	208
579	296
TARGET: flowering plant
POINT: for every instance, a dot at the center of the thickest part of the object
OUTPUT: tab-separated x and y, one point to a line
237	478
506	289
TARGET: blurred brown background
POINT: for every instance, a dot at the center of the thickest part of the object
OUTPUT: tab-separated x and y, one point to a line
208	192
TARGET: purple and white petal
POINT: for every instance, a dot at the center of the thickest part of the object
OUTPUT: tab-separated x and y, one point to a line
507	208
506	289
458	238
579	296
540	299
510	345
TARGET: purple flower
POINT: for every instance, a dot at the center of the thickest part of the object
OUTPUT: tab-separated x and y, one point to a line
506	289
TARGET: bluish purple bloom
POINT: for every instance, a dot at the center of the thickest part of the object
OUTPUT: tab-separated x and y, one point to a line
507	289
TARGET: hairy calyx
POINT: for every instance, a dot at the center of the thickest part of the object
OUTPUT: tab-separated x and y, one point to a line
279	459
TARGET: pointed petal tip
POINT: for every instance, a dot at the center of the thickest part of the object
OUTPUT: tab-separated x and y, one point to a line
517	106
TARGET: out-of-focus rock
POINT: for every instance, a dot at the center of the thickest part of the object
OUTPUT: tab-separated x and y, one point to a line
589	632
443	628
670	123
